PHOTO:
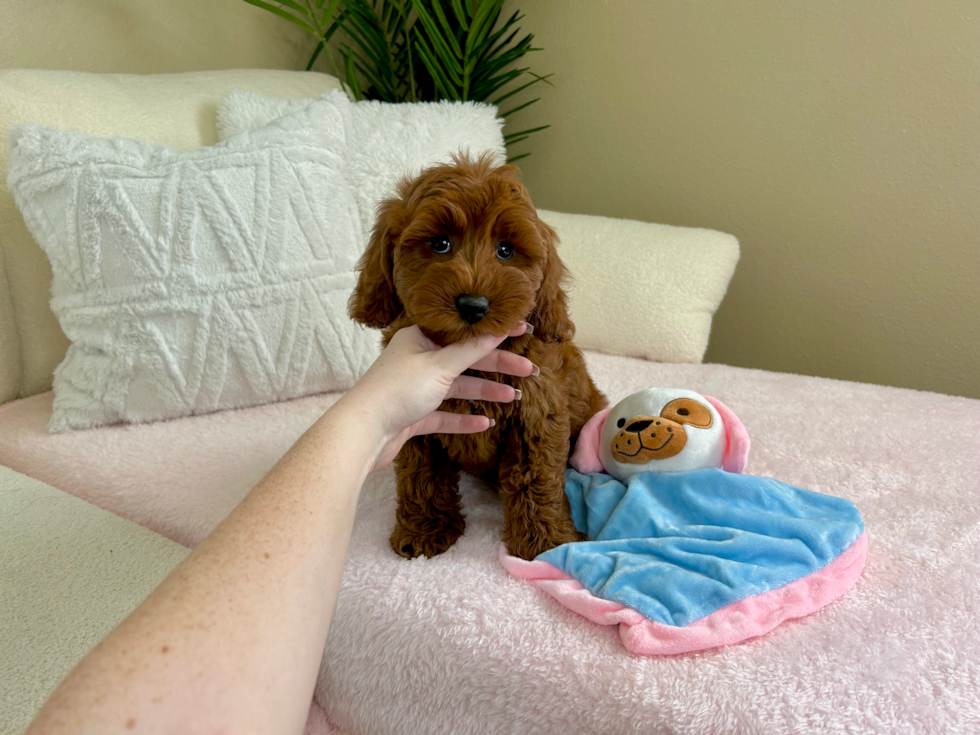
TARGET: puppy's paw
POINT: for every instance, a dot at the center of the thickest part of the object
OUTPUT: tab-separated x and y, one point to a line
530	544
412	543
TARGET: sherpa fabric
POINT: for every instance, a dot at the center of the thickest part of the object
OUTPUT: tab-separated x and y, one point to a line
165	109
194	282
680	547
680	274
71	573
388	141
454	644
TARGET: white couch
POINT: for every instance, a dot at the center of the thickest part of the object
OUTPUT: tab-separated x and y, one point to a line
453	644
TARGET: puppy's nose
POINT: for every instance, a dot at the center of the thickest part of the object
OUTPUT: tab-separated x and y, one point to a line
639	426
472	308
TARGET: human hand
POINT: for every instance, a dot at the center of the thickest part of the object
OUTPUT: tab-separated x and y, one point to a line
404	387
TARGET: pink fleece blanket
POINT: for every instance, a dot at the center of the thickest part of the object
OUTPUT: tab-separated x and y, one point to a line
453	644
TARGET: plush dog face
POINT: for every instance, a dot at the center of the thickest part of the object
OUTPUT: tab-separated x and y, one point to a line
461	252
643	439
661	430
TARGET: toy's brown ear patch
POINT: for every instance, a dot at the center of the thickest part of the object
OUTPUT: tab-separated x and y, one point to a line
688	411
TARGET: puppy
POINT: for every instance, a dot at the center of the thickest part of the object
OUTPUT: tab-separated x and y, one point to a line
460	251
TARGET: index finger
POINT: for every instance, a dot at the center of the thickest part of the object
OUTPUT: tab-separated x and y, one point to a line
461	356
502	361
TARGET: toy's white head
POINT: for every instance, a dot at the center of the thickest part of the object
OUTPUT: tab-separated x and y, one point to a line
662	430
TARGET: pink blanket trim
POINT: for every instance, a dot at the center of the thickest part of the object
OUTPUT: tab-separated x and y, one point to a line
740	621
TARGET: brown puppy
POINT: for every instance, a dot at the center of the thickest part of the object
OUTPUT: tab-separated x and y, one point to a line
461	252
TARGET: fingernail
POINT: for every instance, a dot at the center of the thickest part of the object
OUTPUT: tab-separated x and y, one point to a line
530	328
520	394
492	423
536	371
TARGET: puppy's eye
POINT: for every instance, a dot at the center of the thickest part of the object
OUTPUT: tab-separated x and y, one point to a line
621	423
440	245
505	251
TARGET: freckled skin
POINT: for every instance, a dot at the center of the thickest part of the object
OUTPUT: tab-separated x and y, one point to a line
404	282
524	454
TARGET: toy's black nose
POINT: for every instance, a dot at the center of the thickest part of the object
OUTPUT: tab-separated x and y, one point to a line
472	308
638	426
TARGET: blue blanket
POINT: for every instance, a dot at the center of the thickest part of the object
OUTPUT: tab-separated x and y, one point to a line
677	546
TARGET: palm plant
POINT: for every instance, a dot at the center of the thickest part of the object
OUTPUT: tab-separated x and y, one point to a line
421	50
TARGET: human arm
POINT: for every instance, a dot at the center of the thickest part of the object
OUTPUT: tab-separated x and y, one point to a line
231	641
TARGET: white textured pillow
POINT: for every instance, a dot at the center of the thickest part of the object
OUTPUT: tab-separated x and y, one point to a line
387	141
679	274
166	109
199	281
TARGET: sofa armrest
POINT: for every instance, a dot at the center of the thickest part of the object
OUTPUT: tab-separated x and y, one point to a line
71	573
643	290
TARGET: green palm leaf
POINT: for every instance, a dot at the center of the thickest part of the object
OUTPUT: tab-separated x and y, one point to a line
525	133
283	14
352	81
411	50
510	112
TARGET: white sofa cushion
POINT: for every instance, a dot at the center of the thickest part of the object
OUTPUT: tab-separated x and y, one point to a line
199	281
168	109
71	573
640	289
388	141
455	645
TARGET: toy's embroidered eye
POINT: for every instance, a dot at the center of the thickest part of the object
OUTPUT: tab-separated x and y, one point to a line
505	251
621	423
683	412
440	245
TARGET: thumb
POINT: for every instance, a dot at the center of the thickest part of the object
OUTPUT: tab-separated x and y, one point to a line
457	357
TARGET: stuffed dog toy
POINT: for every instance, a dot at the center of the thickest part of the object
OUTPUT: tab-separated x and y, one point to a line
662	430
684	550
460	251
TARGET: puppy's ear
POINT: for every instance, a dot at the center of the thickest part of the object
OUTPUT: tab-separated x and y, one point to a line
550	317
374	301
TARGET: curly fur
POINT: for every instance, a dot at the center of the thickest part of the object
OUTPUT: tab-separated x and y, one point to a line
403	282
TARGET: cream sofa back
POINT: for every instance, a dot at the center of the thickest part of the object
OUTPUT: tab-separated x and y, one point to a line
173	109
110	36
679	274
685	271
